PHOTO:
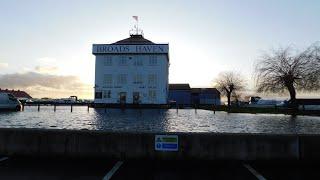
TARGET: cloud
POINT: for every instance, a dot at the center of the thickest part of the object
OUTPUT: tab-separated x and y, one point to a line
46	69
46	60
46	85
3	65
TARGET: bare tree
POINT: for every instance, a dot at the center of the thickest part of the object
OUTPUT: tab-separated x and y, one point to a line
283	70
228	83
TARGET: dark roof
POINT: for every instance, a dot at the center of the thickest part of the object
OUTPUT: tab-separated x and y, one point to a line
134	39
308	101
205	90
17	94
179	87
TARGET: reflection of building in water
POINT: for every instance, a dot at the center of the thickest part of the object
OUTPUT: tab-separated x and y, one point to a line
131	71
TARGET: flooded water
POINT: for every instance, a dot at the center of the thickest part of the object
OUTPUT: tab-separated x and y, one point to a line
154	120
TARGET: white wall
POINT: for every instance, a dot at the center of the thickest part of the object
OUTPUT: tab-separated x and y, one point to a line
160	69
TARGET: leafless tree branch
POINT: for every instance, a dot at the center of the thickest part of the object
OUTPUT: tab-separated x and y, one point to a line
282	70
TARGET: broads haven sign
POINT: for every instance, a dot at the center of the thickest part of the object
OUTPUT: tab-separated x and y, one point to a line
114	49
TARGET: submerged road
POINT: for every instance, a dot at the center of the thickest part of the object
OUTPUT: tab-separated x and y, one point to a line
70	168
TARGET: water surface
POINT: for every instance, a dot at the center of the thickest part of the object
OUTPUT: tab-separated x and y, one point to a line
155	120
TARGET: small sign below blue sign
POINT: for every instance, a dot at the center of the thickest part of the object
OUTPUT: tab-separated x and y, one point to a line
166	143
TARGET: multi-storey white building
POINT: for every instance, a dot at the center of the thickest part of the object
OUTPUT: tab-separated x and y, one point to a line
131	71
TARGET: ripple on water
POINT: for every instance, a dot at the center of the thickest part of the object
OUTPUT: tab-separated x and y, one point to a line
154	120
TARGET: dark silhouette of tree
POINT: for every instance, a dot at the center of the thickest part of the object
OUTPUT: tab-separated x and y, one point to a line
283	70
228	83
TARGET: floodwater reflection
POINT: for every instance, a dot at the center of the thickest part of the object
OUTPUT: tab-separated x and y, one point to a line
159	120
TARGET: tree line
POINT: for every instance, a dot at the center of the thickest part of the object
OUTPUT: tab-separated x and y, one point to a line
278	71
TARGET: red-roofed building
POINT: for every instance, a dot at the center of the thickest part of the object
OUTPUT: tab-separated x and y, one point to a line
21	95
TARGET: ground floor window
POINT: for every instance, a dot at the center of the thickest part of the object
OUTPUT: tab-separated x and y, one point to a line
136	97
122	97
98	95
152	95
106	94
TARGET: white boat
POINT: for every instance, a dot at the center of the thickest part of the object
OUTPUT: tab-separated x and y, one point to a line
9	102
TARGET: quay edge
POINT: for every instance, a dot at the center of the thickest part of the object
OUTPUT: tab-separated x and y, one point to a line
139	145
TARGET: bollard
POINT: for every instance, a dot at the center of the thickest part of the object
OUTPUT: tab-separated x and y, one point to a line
88	107
38	107
214	109
71	107
54	107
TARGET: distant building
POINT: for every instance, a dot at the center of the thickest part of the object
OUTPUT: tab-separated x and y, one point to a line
131	71
206	96
308	104
21	95
180	94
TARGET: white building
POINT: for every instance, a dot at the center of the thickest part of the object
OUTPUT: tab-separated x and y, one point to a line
131	71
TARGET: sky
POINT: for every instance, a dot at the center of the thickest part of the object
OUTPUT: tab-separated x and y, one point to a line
46	46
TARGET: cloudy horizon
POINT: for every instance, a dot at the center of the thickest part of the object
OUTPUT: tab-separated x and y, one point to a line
46	46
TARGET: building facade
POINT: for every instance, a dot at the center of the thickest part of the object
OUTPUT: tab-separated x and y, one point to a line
131	71
180	94
205	96
184	96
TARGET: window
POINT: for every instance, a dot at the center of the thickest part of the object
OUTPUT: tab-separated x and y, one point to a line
122	79
108	61
152	79
98	95
11	97
137	79
106	94
152	95
122	60
153	60
138	62
107	79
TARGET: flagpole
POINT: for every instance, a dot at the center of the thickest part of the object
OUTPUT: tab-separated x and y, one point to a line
137	26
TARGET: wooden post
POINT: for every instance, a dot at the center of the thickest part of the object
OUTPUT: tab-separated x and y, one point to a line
214	109
38	107
177	106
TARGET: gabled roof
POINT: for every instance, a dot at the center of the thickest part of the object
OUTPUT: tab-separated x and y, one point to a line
134	39
17	94
179	87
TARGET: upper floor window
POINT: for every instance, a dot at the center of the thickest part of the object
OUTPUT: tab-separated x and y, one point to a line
107	79
122	79
138	62
152	79
153	60
107	61
123	61
137	79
